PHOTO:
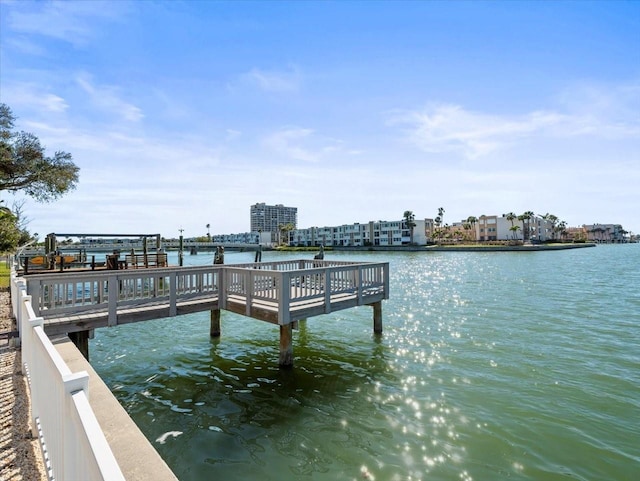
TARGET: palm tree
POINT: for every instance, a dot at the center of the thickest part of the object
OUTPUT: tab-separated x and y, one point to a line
514	229
438	222
522	218
472	222
554	220
467	227
597	233
511	217
562	228
409	219
284	229
528	215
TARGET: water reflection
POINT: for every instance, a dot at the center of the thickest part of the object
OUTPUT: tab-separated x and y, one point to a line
489	367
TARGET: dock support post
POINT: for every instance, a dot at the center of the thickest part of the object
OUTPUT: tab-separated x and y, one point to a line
81	340
286	345
377	317
214	330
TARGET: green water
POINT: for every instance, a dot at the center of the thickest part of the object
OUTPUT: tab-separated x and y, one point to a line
491	366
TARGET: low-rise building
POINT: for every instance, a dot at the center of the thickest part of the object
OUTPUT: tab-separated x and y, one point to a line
243	238
374	233
501	228
606	233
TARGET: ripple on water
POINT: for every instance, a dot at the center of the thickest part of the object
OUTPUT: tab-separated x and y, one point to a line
491	366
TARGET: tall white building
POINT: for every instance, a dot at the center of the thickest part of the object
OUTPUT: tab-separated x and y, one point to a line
269	218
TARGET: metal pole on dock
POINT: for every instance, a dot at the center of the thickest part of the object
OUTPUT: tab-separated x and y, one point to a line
214	330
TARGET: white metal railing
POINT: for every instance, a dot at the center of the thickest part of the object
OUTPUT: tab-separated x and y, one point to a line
281	284
72	441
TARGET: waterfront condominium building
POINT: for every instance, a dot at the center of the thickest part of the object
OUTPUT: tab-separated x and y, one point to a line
269	218
374	233
495	227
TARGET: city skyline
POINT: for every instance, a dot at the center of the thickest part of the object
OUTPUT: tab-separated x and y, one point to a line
183	114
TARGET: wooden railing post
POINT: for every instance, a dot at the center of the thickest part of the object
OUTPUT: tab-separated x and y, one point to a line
385	273
250	291
173	294
222	289
113	289
284	298
327	290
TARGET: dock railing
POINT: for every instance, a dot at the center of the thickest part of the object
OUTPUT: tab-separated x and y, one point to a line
283	285
73	444
293	284
74	293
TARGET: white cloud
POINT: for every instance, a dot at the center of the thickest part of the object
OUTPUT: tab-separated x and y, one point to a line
303	144
35	97
288	142
72	22
25	45
107	98
273	81
607	111
606	114
451	128
232	134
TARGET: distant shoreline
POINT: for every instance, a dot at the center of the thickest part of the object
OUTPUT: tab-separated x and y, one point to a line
525	248
451	248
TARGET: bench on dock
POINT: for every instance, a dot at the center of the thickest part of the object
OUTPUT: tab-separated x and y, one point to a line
136	261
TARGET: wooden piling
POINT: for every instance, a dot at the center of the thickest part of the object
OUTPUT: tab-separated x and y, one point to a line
298	324
286	346
81	341
214	330
377	317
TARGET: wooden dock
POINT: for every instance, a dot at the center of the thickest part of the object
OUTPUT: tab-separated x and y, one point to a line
277	292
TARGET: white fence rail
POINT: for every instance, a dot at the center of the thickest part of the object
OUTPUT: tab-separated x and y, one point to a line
284	283
72	441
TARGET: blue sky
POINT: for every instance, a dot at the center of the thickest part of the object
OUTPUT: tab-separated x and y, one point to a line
182	114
